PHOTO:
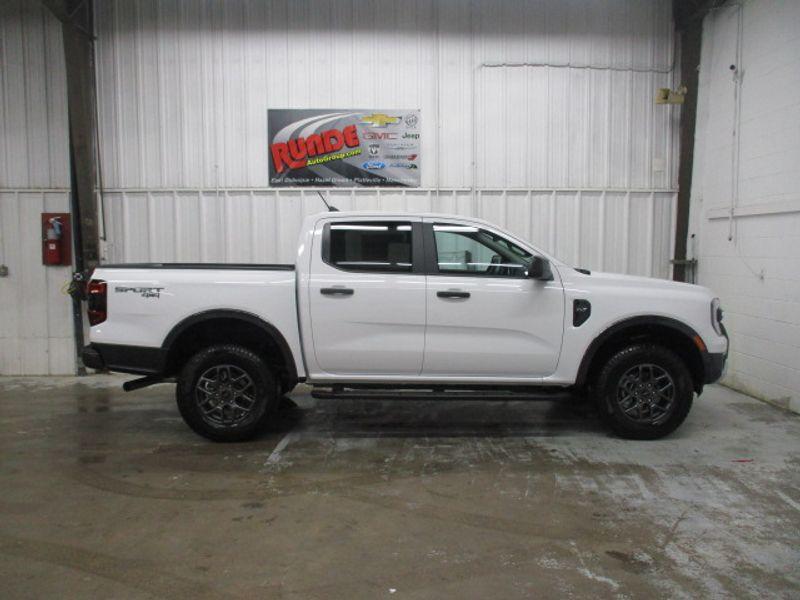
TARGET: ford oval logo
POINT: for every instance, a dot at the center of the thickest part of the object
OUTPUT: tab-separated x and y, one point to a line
373	164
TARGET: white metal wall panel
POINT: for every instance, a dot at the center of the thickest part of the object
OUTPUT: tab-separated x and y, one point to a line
574	155
35	317
746	208
612	231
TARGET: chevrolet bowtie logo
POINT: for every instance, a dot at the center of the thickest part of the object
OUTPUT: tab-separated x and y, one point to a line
379	119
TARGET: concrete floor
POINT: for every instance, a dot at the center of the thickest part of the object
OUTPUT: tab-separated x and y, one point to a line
107	494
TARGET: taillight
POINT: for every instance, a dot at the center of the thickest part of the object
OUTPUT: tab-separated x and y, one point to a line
96	299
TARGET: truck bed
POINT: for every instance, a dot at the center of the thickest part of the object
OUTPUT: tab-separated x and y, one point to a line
149	303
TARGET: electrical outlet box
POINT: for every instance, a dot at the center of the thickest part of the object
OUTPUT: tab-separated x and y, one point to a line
668	96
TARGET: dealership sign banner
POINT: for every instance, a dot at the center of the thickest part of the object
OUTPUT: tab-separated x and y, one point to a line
344	148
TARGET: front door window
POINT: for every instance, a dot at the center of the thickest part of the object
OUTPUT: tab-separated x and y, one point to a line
467	250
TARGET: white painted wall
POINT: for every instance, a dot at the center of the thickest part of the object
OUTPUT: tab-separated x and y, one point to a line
35	317
757	271
580	161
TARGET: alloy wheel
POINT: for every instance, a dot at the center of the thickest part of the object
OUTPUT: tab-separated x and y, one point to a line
646	394
226	396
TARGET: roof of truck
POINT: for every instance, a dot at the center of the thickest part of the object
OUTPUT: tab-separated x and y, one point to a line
396	213
422	215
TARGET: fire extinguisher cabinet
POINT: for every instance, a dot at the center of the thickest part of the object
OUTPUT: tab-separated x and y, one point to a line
56	239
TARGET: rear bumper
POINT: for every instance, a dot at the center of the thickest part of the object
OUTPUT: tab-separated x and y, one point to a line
139	360
92	359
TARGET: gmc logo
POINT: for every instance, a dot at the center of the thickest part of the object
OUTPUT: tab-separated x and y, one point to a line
379	135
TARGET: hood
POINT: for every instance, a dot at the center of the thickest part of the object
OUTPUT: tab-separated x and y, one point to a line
618	280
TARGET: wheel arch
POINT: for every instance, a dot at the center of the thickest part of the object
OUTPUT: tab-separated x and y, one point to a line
666	331
228	326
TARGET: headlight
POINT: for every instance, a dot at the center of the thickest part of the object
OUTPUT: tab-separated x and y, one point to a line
716	316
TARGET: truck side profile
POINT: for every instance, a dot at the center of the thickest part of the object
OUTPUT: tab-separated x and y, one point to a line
404	305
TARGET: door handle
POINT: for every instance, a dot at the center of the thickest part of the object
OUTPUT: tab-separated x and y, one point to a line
452	294
336	291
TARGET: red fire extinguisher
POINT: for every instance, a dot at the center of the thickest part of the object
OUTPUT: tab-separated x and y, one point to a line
53	235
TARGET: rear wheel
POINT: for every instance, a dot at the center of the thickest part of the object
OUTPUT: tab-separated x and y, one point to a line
225	393
644	392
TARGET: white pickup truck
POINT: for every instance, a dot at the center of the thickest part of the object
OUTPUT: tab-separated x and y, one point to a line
384	305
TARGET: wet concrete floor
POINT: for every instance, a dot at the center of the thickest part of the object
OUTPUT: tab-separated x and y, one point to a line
106	494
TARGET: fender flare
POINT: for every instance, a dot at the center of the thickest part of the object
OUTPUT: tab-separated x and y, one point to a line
240	315
597	342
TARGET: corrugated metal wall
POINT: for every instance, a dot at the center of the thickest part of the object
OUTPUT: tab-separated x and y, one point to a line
35	317
574	156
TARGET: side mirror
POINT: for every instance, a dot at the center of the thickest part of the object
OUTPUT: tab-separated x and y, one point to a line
540	269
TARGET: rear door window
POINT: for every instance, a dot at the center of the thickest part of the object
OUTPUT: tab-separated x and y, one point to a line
370	246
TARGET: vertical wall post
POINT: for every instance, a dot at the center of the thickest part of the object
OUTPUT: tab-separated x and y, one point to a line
77	25
690	30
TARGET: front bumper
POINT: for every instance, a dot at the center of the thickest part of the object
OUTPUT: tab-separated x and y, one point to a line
714	363
713	366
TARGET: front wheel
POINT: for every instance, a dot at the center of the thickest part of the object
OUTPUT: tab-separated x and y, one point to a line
225	393
644	392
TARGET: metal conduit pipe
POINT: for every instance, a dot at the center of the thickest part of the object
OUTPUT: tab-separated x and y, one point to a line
494	65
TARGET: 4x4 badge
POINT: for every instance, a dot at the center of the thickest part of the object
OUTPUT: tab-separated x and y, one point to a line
144	292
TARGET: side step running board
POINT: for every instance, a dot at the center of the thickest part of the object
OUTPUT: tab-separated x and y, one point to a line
420	394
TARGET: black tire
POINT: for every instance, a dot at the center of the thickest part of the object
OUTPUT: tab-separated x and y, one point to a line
632	408
287	387
236	396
